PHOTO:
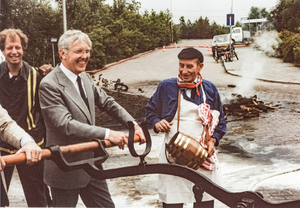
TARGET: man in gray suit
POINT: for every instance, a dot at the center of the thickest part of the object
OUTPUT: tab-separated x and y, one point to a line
68	98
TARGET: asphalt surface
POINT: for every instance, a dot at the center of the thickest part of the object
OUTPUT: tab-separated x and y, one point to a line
259	154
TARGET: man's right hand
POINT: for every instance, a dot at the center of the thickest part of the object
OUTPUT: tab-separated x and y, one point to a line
33	152
2	164
163	126
118	138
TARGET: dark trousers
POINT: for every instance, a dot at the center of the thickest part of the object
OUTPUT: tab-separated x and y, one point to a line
95	194
31	178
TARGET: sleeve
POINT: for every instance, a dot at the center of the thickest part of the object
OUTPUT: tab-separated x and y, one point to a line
221	128
10	132
154	108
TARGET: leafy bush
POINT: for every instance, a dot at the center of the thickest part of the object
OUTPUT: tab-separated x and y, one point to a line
289	49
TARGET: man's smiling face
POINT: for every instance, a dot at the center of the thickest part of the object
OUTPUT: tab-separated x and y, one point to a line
76	58
13	51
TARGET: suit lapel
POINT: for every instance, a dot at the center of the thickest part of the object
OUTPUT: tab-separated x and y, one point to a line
73	94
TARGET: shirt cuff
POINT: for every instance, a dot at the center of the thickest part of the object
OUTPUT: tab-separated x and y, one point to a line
107	133
26	139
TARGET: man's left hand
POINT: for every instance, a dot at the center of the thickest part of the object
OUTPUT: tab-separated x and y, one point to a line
33	152
140	133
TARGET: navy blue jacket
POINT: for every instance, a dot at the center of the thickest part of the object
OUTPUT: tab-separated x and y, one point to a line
163	104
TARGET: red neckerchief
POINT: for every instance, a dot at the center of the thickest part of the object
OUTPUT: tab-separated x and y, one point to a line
182	83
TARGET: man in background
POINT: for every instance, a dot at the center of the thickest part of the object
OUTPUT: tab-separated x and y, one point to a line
19	84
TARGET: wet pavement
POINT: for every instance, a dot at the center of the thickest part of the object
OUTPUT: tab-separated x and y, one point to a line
257	65
259	154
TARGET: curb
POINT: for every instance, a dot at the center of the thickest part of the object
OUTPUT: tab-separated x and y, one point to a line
261	79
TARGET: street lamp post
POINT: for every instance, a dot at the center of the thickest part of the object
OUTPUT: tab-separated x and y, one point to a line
171	21
53	41
64	16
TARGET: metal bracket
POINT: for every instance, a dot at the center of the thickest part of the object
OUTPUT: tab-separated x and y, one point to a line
63	164
131	142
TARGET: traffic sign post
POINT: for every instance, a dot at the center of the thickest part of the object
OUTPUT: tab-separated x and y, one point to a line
230	19
230	22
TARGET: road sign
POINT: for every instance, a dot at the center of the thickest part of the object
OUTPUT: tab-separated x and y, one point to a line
230	19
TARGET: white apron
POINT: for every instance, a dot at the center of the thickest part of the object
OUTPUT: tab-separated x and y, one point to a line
173	189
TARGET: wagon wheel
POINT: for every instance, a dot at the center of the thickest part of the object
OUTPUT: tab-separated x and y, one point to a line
215	55
230	56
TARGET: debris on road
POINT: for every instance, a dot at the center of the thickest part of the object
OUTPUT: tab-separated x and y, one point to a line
246	107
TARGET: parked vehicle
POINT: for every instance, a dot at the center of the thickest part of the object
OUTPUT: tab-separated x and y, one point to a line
220	40
241	36
221	48
219	45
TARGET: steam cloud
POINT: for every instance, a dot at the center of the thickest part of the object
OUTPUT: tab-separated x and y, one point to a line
268	42
254	64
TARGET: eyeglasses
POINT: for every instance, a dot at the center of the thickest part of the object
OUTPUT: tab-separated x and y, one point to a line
80	51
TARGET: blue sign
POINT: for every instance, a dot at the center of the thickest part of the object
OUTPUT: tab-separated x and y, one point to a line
230	19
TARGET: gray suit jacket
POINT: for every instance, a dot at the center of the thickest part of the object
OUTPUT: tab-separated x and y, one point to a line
68	121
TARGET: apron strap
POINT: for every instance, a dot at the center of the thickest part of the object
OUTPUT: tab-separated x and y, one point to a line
203	94
178	109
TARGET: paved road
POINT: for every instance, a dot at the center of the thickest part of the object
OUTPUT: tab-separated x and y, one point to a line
251	151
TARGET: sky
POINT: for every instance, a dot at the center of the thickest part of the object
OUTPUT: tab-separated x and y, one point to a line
214	10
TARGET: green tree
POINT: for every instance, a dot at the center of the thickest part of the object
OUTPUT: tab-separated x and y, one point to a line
38	21
256	13
117	32
200	29
238	24
286	15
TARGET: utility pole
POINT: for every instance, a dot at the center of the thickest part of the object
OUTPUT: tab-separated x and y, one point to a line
64	16
171	21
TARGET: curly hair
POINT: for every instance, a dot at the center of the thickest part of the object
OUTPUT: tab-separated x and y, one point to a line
12	34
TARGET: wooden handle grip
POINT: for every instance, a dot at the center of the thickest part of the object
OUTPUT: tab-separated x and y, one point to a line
69	149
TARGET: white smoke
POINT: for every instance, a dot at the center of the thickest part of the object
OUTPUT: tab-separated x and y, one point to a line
268	42
251	67
254	62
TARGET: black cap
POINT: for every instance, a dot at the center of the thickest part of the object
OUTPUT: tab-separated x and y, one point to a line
190	53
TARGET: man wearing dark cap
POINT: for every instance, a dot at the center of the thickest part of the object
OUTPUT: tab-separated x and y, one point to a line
200	112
